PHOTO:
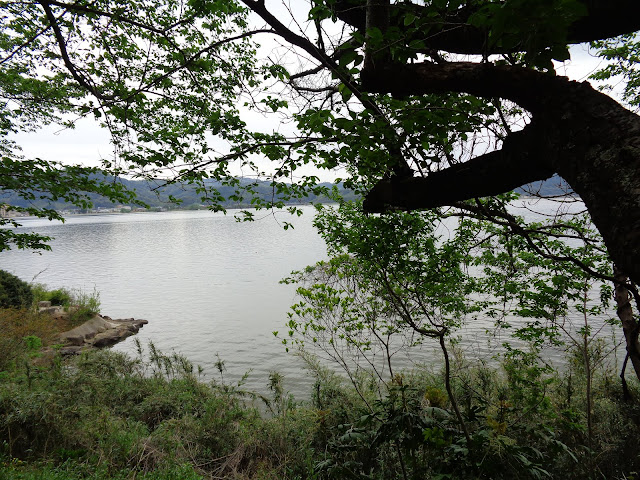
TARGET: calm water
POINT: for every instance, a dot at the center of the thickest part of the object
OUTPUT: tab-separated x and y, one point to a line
207	284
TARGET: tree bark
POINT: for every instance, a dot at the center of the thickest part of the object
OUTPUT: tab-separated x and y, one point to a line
377	17
629	324
452	33
515	164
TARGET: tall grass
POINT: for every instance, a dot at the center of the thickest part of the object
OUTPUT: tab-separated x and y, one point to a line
113	414
105	415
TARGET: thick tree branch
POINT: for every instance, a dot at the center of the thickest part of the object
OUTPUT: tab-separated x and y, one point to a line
452	33
606	19
533	90
581	134
517	163
377	17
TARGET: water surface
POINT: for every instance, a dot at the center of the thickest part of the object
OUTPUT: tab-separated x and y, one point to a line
208	285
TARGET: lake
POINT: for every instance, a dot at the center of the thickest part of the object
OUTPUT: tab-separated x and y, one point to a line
208	285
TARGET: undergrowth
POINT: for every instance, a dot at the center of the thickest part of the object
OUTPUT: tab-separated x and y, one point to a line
105	415
20	329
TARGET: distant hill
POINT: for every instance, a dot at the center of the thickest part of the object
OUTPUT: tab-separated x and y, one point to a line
555	186
155	193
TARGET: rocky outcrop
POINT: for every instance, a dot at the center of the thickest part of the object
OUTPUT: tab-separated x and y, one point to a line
97	332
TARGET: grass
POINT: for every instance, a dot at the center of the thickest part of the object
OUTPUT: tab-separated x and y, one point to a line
17	470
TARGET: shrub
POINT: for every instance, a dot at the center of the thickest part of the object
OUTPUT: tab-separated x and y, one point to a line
60	297
14	293
19	329
85	306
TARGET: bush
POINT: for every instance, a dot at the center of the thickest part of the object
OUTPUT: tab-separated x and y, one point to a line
59	297
19	329
85	306
14	293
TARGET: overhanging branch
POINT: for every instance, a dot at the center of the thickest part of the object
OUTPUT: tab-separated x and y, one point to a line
517	163
531	89
452	33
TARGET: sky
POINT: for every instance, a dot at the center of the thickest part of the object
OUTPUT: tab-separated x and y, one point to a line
87	142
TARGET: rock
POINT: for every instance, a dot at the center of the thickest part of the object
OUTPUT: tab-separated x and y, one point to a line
50	310
75	340
87	330
98	332
71	350
44	304
110	337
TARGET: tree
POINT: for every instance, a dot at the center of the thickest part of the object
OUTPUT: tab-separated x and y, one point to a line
411	55
423	104
403	62
406	279
389	278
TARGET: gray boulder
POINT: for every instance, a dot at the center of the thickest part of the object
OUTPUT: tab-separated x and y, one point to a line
100	331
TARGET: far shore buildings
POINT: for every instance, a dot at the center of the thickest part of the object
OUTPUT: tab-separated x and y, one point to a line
6	211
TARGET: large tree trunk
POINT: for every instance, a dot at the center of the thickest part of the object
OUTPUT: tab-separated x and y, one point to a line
602	164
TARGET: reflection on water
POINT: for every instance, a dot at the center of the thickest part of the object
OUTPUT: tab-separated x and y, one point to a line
206	283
